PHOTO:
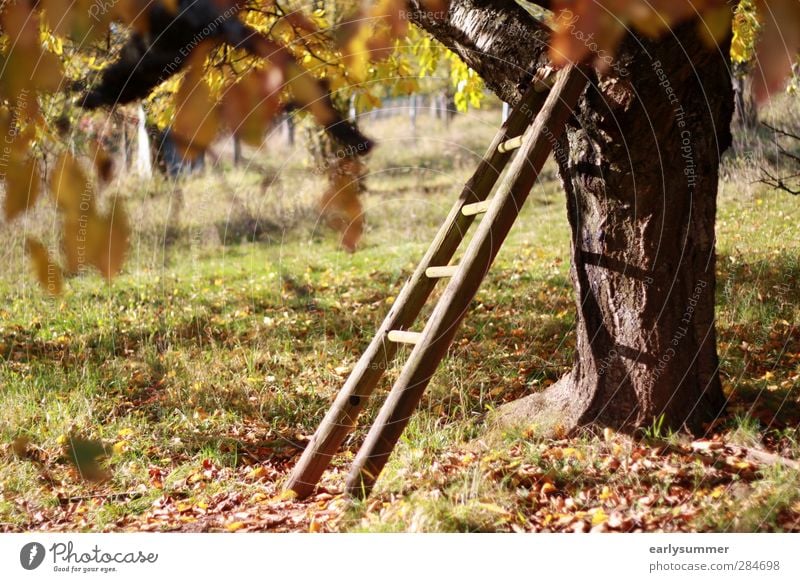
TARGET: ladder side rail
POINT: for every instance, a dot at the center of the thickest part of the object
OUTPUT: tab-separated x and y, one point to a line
438	333
343	414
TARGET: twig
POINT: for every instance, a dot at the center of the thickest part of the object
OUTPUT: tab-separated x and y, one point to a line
110	496
767	458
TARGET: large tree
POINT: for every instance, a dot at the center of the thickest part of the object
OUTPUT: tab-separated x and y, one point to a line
639	166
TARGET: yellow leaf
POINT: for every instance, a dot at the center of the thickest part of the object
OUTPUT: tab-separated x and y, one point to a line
548	488
493	507
572	452
599	517
257	474
47	272
286	495
112	234
234	526
718	492
73	193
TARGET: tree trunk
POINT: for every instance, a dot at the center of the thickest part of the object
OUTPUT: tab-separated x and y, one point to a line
639	165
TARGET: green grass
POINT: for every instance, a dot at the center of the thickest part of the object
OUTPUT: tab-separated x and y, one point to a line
212	359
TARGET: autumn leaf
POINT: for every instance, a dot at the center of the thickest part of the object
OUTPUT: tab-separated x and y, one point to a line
110	234
778	46
71	188
341	205
20	446
58	15
196	117
599	517
47	272
73	243
250	104
133	13
22	186
103	163
87	457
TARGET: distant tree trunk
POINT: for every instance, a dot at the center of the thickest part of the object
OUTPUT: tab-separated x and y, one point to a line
746	113
237	150
412	113
125	146
639	165
289	129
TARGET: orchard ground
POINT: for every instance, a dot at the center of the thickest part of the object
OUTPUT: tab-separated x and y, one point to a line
208	364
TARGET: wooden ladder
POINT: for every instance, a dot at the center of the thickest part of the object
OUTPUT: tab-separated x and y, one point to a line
531	130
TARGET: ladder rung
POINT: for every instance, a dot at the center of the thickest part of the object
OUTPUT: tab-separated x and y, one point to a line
546	83
404	337
441	272
509	145
475	208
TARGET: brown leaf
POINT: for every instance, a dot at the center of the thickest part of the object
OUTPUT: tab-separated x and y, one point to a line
58	15
590	30
20	446
715	25
111	234
778	45
22	186
87	456
73	243
47	272
196	117
250	104
48	74
133	13
341	205
103	164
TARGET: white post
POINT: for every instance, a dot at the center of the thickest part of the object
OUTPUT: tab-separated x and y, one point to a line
143	162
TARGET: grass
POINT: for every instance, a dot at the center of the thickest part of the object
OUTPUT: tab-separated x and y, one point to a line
207	365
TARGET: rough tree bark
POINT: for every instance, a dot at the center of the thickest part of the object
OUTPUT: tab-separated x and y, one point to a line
639	166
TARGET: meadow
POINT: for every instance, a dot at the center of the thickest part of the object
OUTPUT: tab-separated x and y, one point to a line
205	367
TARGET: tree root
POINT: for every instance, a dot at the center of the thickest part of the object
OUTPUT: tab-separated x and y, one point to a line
553	413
